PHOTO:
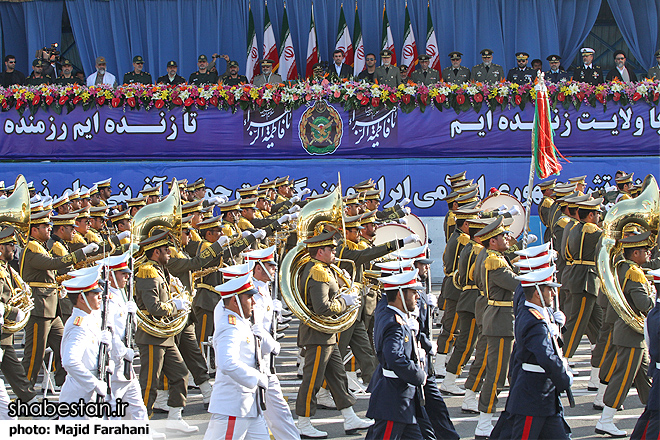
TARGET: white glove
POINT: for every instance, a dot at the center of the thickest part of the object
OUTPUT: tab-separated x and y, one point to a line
304	192
131	307
514	211
268	344
406	210
294	208
502	209
434	347
217	200
222	240
92	247
245	233
554	330
277	305
106	338
259	234
413	323
412	238
404	202
100	387
263	381
295	199
531	238
403	221
431	300
560	318
130	354
350	299
2	310
568	370
123	235
20	315
285	218
294	215
181	304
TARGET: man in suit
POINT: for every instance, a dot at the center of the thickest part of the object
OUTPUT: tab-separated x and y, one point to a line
425	75
266	76
338	70
620	71
456	74
387	74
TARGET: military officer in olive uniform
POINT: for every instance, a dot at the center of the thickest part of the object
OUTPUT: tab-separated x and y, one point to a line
158	356
203	76
631	353
387	74
556	74
10	282
588	72
172	78
38	269
233	78
654	72
425	74
37	77
456	74
67	75
137	75
487	72
522	74
267	76
59	245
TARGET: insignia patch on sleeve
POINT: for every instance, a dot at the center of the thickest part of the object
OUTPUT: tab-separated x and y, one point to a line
536	313
232	319
78	321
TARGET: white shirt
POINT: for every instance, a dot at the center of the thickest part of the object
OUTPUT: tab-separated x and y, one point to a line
108	78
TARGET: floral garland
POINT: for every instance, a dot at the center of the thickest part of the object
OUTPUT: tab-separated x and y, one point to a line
350	94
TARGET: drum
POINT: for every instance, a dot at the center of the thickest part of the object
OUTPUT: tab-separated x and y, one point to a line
393	231
495	201
416	225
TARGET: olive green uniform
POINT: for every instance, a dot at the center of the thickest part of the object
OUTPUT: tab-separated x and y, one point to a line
492	74
459	75
198	78
388	76
426	77
229	81
477	370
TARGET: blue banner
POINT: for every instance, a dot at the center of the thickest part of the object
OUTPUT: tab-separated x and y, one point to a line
424	181
321	130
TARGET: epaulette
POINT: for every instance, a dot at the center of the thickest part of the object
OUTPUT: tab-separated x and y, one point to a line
535	313
77	238
194	236
362	245
399	319
590	228
636	274
37	248
320	273
451	221
495	261
147	270
244	223
352	246
78	321
547	202
231	319
58	249
175	253
562	222
463	239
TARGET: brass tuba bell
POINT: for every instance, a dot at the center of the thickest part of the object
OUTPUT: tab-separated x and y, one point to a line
643	210
15	210
325	210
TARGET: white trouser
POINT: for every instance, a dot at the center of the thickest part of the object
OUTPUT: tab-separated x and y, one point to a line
236	428
4	403
278	415
72	392
131	393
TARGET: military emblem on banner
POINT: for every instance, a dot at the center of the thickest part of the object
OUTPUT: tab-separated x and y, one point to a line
321	129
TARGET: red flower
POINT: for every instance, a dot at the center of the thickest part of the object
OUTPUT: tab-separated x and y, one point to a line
517	99
375	102
49	100
76	100
63	100
601	98
36	99
561	97
230	99
277	98
580	96
19	104
115	102
405	98
245	97
393	98
424	98
364	100
201	102
460	98
656	96
259	101
188	102
636	96
5	105
478	97
440	99
214	101
617	96
131	101
359	96
160	103
177	101
100	100
499	99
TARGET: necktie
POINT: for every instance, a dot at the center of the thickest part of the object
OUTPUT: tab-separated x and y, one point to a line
456	72
487	69
387	70
425	74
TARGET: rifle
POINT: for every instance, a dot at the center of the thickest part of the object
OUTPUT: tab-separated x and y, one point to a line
104	358
261	393
273	326
430	359
130	327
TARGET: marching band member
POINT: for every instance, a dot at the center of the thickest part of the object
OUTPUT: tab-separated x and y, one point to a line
236	407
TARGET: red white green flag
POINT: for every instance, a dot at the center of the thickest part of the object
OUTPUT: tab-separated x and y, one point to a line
288	68
270	48
312	49
432	43
409	52
252	66
544	150
358	46
387	42
343	41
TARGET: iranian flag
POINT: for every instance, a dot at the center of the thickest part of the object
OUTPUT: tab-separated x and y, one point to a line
343	41
358	45
312	49
387	40
409	52
544	151
287	64
252	67
270	48
431	42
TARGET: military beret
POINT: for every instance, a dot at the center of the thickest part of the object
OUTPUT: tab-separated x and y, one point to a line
553	58
455	55
171	63
424	57
486	52
138	59
386	53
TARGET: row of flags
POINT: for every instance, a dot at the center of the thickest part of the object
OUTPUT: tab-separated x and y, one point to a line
353	48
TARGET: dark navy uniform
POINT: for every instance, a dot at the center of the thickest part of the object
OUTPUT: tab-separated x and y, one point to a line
240	79
32	81
137	78
591	74
648	425
521	76
198	78
62	81
556	77
165	79
394	402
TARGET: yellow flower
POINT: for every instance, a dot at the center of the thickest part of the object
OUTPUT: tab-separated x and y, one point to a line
254	93
454	87
384	95
433	93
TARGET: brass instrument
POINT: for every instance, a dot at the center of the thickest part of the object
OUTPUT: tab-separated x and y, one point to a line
22	299
91	261
164	215
206	271
643	210
15	210
324	210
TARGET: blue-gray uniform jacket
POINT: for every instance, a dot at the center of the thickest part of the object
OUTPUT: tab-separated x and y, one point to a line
424	324
521	76
653	329
394	398
556	77
535	393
